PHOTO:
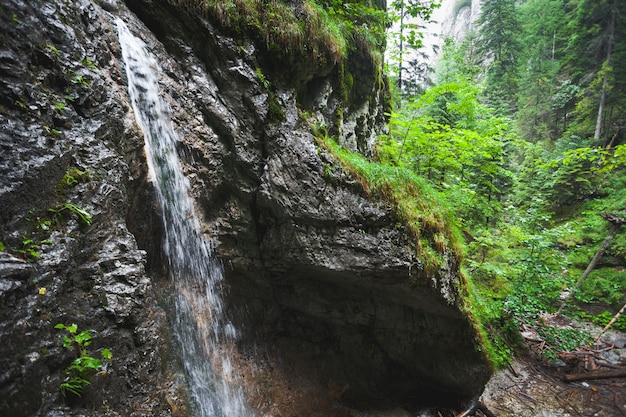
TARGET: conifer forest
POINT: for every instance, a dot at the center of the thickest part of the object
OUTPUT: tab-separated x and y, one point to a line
520	127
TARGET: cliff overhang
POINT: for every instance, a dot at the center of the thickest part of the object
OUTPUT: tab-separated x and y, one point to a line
325	283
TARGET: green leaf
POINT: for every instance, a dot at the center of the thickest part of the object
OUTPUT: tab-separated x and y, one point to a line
86	362
75	385
67	342
83	338
107	355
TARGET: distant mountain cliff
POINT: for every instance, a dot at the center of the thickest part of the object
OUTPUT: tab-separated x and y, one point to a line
454	19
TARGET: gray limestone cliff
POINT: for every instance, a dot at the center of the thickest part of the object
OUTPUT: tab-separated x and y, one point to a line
455	20
335	308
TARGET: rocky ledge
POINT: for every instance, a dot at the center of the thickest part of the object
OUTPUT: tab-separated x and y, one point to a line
324	283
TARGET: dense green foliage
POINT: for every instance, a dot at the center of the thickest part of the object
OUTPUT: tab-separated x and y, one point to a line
523	133
318	32
421	208
499	29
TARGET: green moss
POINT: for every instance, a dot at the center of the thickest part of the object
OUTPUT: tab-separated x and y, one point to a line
275	112
323	31
345	81
429	220
485	314
436	235
337	121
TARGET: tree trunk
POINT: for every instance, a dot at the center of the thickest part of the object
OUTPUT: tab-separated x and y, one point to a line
605	81
613	373
401	48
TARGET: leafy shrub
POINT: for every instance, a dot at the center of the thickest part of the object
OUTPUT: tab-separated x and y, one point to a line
563	339
605	317
85	366
607	285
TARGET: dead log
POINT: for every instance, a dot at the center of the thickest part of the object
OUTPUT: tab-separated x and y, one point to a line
608	326
616	222
611	373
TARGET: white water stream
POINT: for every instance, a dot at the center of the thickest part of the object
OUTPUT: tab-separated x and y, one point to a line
200	328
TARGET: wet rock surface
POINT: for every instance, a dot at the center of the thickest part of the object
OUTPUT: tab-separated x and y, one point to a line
71	157
313	265
323	282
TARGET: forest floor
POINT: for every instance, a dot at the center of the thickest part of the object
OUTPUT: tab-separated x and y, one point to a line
573	383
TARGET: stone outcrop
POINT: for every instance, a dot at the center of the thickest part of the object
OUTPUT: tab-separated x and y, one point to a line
323	281
68	143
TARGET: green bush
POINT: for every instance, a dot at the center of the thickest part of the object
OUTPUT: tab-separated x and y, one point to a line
606	285
85	366
563	339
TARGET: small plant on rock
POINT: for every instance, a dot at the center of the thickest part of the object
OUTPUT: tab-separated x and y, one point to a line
87	62
29	249
73	176
81	213
85	366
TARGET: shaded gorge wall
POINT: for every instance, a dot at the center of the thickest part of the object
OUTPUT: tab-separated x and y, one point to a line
332	303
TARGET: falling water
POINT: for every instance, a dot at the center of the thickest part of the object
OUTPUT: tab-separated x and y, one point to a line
201	330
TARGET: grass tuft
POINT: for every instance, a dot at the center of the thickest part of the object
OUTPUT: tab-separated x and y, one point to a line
430	222
324	32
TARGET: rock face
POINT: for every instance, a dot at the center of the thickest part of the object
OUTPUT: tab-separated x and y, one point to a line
455	20
68	143
323	282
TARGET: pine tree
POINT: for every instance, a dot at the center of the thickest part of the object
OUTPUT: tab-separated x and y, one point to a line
597	62
499	32
539	82
407	16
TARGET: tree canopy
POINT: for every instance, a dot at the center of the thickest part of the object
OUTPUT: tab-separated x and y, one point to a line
522	130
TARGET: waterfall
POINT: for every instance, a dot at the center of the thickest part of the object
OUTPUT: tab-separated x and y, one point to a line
202	333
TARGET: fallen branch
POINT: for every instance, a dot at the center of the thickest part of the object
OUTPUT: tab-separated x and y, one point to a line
612	373
619	313
616	222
